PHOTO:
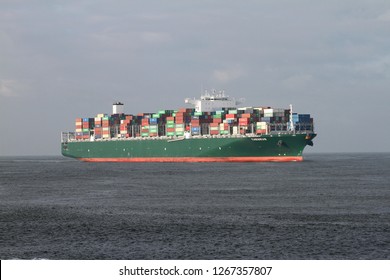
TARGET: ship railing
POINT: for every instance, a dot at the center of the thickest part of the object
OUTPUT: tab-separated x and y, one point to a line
242	131
67	136
285	128
304	127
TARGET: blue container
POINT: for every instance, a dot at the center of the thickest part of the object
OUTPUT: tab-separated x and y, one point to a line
85	119
304	117
153	120
265	119
195	129
268	119
303	126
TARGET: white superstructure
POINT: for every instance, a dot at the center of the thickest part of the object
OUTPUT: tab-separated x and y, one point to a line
117	108
212	102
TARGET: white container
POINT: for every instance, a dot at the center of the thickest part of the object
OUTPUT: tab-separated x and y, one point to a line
117	108
261	125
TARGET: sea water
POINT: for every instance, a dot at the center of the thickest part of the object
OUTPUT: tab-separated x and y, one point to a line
331	206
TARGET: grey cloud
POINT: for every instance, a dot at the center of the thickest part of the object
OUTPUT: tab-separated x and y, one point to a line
318	55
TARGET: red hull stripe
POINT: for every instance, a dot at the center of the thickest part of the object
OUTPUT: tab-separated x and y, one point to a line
197	159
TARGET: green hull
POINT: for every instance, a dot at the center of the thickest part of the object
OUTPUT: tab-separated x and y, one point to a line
283	147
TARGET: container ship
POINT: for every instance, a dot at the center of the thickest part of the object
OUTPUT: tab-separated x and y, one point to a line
214	129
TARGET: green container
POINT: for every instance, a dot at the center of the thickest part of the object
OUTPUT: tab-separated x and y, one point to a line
145	134
153	130
156	116
170	133
171	125
145	127
198	114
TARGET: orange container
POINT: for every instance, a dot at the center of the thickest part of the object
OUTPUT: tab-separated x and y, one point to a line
243	121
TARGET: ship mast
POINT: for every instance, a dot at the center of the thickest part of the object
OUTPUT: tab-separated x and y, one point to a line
292	128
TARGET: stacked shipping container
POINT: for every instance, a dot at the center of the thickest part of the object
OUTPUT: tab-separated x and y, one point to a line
261	120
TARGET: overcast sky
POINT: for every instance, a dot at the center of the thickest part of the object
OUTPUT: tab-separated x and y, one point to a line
65	59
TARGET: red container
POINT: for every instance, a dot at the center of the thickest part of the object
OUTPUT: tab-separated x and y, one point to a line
98	122
214	132
231	116
214	124
245	115
170	129
243	121
145	121
124	127
261	131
